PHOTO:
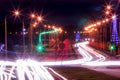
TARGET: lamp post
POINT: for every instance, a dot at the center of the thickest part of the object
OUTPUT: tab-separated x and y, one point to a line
32	16
31	44
5	37
16	13
23	31
39	19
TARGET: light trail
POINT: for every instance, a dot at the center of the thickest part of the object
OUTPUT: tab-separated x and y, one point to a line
87	58
63	78
33	70
105	63
23	70
92	51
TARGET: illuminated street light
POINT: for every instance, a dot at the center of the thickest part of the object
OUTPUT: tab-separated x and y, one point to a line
114	16
53	27
35	24
98	23
16	13
45	26
108	7
36	18
49	26
60	30
32	15
103	21
95	25
106	19
65	32
107	12
86	28
39	18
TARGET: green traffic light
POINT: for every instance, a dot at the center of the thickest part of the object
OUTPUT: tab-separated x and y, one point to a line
112	47
40	48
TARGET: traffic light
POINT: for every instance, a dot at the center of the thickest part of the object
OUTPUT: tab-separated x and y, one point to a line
40	48
112	47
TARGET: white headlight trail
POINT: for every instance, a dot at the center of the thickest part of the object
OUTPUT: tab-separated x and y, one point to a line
33	70
23	70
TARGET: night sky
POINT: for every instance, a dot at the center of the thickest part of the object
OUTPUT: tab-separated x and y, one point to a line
59	12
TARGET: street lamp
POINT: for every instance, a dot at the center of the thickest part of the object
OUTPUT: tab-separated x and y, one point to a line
32	16
108	7
38	19
16	13
5	37
23	31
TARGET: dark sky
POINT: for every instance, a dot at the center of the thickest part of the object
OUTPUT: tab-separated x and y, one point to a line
71	14
57	11
61	12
